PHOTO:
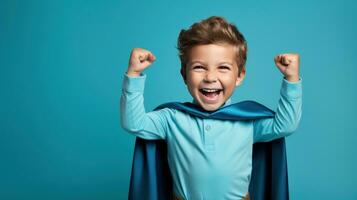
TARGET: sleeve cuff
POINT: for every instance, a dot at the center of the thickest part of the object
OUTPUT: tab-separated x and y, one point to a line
134	84
291	90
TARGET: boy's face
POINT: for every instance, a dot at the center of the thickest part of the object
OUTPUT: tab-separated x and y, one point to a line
212	74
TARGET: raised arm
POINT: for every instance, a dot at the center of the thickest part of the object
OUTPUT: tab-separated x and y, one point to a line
288	113
151	125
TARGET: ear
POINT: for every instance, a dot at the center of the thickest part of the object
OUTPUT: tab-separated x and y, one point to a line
240	77
183	74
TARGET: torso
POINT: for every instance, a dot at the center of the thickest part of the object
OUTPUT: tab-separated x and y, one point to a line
210	158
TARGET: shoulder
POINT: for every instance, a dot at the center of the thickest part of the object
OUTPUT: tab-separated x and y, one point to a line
178	116
166	113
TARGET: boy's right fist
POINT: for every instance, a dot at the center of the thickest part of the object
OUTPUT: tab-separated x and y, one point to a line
139	60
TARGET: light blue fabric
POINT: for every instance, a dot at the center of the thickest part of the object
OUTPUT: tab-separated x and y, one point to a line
208	158
151	177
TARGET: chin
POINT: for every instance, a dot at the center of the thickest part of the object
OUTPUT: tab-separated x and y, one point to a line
210	107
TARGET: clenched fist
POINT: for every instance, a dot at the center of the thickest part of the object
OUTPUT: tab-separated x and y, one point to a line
288	64
139	60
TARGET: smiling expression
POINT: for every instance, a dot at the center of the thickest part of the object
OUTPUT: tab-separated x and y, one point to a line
212	74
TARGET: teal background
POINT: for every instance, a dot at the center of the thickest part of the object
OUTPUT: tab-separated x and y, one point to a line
62	63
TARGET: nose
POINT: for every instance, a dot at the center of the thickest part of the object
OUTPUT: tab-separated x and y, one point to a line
210	76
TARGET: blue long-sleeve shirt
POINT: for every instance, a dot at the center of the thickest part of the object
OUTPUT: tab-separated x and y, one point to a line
208	158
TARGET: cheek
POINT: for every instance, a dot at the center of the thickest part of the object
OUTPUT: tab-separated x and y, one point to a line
229	85
191	85
193	80
229	81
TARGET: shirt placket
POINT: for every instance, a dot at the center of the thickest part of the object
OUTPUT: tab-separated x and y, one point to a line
208	135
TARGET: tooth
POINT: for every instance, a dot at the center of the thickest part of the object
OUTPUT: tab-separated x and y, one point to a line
210	90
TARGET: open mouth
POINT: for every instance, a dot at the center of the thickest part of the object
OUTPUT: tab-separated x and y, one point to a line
211	95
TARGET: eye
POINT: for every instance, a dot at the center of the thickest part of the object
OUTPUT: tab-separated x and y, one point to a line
198	67
224	67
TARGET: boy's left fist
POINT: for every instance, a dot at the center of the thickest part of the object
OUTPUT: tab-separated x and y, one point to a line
288	64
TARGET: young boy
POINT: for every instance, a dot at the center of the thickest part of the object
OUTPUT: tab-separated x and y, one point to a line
209	158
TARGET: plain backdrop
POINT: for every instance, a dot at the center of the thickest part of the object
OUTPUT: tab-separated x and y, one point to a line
62	64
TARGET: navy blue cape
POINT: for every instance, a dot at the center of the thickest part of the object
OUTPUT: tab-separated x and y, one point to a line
151	178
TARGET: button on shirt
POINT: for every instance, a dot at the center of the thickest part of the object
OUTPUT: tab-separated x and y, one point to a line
208	158
208	127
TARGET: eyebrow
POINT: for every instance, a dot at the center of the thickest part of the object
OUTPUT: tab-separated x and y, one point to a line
197	61
225	63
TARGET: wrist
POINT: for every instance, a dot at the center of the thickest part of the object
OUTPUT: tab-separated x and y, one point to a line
133	73
292	78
